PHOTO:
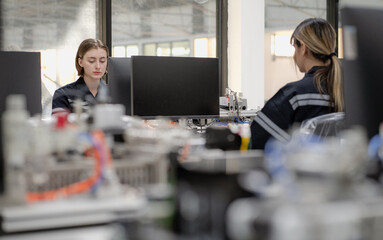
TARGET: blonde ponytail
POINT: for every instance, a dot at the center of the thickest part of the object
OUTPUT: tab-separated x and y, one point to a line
320	39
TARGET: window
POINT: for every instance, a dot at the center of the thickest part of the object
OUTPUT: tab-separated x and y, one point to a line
165	27
181	48
132	50
150	49
53	28
281	18
148	27
280	44
119	51
163	49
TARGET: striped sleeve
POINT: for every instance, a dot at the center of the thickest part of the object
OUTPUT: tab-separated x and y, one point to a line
272	128
272	121
309	99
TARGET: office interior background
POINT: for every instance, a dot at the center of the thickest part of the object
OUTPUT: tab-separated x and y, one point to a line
251	38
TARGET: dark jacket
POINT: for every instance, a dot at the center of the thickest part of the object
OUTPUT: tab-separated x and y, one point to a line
64	97
293	103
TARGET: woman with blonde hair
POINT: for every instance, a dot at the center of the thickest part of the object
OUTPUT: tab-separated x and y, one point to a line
318	92
91	63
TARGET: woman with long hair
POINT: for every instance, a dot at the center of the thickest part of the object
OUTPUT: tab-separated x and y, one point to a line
318	92
91	62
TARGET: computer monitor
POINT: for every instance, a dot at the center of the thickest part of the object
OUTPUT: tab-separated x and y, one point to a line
20	74
363	59
119	71
175	87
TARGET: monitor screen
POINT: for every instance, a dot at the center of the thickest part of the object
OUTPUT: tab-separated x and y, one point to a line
20	74
363	58
175	87
119	81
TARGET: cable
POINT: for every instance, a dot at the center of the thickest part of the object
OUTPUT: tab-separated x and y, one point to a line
185	153
105	158
374	147
102	157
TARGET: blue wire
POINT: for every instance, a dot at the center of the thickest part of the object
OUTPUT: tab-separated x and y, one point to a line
374	146
222	123
89	138
274	155
101	178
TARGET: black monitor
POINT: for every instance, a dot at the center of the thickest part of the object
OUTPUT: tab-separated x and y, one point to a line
175	87
20	74
363	59
119	81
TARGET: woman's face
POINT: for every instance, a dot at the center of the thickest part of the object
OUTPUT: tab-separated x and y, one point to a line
94	63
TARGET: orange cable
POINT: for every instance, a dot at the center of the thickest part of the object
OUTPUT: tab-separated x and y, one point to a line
185	153
75	188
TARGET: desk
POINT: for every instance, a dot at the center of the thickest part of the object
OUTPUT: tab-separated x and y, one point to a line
251	113
67	213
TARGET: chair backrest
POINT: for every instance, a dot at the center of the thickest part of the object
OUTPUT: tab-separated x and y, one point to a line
328	125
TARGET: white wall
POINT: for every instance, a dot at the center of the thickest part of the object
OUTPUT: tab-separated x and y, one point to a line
251	66
278	71
246	26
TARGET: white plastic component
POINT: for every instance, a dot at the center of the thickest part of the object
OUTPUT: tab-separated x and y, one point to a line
108	116
15	129
15	142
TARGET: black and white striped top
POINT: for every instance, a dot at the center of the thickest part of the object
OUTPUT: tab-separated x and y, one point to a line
293	103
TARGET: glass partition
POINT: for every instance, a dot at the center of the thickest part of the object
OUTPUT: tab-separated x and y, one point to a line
165	27
281	18
54	28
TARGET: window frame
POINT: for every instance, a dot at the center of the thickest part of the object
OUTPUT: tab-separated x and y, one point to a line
104	31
